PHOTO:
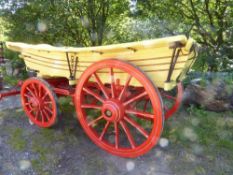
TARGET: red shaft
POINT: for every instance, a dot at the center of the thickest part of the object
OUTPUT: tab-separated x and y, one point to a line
9	93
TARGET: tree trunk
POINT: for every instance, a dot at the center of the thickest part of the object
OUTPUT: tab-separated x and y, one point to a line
213	97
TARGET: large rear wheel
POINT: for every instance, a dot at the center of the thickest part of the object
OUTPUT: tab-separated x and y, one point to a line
112	122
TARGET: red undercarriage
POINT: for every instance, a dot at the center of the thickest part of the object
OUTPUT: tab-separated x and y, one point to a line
60	86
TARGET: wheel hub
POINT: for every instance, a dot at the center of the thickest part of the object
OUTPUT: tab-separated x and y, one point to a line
108	113
113	110
37	103
34	102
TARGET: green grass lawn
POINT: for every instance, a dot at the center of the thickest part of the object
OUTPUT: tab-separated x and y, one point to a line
201	142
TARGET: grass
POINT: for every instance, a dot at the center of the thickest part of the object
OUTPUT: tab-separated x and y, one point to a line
16	140
200	142
44	145
204	138
11	80
65	104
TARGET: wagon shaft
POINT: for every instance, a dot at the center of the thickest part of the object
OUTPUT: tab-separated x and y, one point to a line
9	93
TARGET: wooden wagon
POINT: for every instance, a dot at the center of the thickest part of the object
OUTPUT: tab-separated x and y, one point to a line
122	93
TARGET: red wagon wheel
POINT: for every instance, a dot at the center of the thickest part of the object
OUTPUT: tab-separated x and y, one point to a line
113	123
39	102
172	100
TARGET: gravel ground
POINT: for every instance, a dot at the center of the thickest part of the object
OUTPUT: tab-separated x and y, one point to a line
10	103
194	142
63	150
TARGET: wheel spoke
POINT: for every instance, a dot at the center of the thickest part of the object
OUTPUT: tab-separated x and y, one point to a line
134	105
125	87
46	114
48	109
29	90
35	89
96	120
101	86
145	105
137	126
87	90
91	106
116	135
31	110
29	104
168	96
113	88
37	115
133	99
47	102
28	96
141	114
42	117
104	130
128	134
45	95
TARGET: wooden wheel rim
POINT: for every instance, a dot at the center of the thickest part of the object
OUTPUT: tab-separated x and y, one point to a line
151	91
39	102
177	100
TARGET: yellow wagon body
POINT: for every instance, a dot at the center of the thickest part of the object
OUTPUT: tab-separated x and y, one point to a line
152	56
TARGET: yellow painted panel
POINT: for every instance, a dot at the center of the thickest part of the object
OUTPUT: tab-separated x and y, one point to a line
151	56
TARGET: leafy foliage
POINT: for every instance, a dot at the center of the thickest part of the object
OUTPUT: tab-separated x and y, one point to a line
94	22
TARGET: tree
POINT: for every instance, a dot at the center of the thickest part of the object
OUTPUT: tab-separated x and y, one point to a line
95	22
208	21
2	29
79	23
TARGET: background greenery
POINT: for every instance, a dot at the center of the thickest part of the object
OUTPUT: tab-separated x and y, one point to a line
200	141
101	22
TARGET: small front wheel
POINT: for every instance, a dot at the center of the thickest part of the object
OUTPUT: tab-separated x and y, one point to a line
112	122
39	102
